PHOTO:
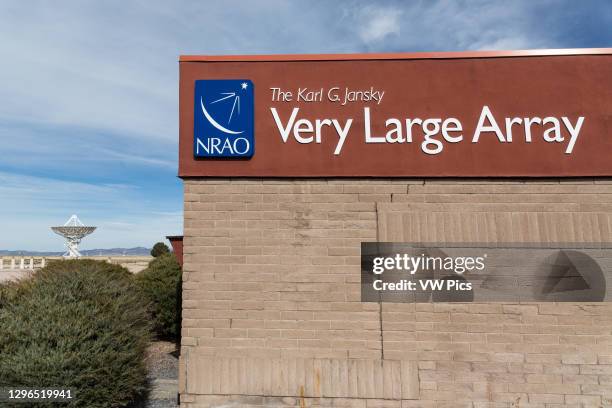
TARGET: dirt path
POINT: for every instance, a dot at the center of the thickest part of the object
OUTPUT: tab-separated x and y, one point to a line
163	375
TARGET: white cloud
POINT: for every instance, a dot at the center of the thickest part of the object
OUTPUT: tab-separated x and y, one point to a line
89	89
74	150
16	186
113	66
506	43
138	159
378	23
122	213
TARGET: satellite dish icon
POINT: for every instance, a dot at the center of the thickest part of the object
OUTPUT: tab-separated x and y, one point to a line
232	101
74	231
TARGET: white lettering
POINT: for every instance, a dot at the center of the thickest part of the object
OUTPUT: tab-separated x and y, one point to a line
303	129
284	131
215	146
555	128
528	123
509	123
342	133
368	134
456	127
302	126
492	127
574	131
431	133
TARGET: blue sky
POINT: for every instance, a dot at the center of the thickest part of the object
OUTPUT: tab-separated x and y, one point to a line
88	89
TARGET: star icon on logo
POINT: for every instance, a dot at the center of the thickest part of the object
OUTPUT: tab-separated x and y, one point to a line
244	85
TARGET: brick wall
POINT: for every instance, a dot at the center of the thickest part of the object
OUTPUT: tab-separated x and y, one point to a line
272	312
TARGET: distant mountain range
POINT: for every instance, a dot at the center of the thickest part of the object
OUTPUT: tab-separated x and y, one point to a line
138	251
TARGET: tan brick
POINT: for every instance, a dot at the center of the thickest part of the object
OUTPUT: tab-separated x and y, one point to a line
544	378
582	358
272	271
584	400
546	398
507	357
580	379
461	356
543	358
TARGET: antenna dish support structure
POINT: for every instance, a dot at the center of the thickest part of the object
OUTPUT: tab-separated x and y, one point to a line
74	231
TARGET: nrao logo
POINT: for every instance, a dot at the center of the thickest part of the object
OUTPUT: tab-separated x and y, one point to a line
224	118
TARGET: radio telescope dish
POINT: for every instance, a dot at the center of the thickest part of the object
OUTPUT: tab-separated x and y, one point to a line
74	231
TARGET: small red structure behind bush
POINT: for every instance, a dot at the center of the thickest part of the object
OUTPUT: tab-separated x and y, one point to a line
177	247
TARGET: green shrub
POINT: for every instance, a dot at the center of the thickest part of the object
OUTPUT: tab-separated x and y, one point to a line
101	267
161	282
159	249
79	325
9	291
5	294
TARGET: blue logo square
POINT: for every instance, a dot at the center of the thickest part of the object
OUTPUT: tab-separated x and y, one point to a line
224	124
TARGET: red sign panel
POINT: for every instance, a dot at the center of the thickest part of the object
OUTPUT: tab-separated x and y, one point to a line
523	114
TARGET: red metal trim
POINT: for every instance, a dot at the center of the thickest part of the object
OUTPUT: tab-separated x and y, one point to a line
396	56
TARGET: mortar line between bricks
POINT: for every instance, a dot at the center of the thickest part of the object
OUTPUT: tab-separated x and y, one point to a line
297	396
380	304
